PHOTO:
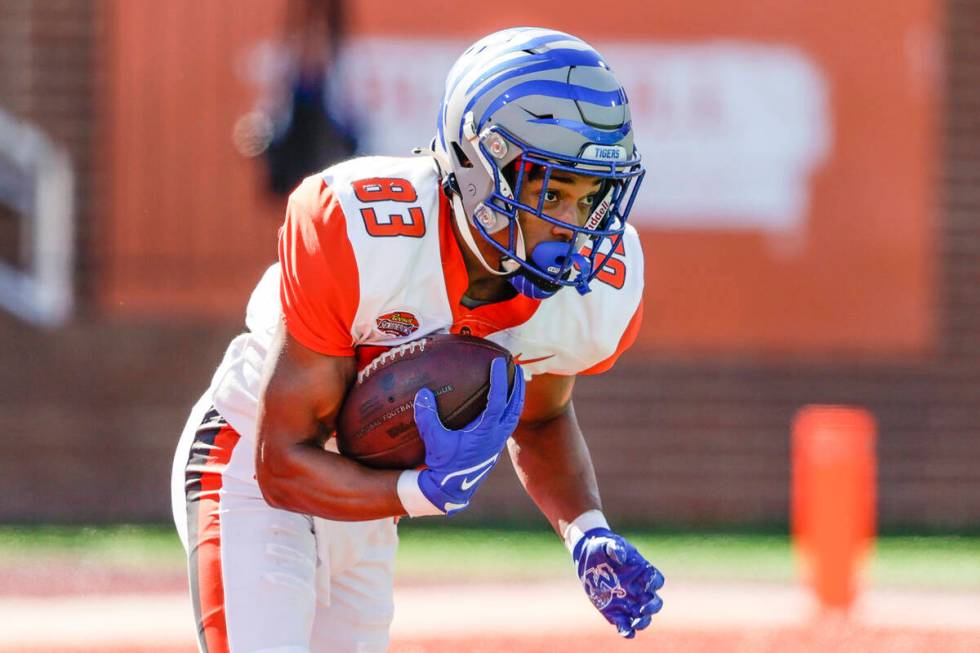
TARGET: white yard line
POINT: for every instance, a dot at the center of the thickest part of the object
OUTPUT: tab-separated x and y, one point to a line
503	609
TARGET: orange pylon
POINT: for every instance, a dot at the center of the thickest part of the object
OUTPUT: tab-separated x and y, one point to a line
833	498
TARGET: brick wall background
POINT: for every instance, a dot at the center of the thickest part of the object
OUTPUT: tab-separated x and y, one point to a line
89	414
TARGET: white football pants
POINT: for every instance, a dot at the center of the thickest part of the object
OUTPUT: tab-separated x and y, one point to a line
265	580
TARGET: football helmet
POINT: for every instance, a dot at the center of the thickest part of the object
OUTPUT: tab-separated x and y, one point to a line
536	101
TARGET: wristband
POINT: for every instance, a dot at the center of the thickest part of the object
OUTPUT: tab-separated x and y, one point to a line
410	494
580	525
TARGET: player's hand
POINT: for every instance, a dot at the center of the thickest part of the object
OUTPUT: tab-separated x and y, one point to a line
621	584
458	461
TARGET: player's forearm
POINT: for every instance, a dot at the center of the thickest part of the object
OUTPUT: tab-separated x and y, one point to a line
301	396
304	478
553	463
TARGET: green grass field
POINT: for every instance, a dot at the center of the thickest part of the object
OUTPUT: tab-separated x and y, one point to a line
431	553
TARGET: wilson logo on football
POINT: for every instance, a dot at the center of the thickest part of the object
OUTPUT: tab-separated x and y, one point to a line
398	323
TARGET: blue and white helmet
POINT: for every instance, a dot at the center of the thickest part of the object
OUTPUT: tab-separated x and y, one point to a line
547	100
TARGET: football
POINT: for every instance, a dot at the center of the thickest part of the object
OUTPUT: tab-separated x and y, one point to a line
376	425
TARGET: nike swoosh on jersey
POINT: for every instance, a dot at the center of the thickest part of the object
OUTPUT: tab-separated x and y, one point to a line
527	361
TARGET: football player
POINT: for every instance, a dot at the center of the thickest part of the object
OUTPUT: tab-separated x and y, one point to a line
511	227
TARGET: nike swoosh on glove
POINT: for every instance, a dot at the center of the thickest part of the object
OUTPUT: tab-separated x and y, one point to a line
459	461
620	582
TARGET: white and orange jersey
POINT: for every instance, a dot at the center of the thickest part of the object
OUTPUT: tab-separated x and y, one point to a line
368	257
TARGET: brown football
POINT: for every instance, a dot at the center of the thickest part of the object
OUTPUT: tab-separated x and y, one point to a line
376	425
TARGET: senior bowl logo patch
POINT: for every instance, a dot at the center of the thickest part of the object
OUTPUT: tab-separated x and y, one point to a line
398	323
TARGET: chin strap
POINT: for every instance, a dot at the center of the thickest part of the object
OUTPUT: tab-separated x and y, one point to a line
524	285
462	222
444	167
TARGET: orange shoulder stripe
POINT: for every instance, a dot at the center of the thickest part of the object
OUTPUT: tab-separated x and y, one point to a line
320	284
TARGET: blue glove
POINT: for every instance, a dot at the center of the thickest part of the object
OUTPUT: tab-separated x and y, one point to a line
621	584
458	461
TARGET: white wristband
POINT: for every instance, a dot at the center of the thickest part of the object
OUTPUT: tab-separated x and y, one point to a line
585	522
410	494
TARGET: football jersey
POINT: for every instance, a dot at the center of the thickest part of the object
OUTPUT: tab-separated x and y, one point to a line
368	257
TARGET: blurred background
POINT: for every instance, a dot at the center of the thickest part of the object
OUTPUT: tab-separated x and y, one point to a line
810	220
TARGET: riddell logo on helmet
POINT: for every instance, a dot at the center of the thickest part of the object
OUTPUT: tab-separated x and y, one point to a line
398	323
598	215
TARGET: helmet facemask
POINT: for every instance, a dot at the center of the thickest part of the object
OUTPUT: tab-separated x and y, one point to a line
553	264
